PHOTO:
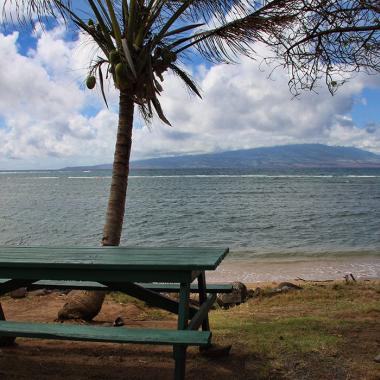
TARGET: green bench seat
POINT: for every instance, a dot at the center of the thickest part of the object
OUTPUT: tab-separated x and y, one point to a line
141	272
104	334
162	287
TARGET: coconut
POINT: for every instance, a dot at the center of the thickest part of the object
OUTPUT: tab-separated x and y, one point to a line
166	55
91	82
121	75
114	57
172	56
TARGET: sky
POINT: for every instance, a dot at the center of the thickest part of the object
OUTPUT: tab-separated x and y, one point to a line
49	120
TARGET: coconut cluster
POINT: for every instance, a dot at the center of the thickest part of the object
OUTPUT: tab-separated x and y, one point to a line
143	82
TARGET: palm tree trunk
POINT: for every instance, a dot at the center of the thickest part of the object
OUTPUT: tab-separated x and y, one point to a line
116	201
87	304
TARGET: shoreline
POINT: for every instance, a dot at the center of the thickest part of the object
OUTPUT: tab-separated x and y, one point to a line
320	269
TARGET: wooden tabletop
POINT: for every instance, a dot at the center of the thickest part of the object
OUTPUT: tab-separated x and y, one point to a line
118	258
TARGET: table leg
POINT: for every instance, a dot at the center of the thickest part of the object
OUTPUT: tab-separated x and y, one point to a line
183	320
202	299
5	340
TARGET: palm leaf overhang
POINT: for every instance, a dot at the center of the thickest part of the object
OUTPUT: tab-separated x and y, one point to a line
142	39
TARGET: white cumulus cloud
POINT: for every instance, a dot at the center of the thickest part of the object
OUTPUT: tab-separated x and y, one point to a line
242	108
48	119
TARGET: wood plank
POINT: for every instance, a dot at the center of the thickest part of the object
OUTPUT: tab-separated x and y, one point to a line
5	340
202	313
89	273
91	285
202	299
103	334
210	288
113	257
183	319
9	285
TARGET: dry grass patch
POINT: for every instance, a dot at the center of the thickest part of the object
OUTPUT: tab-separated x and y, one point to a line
326	330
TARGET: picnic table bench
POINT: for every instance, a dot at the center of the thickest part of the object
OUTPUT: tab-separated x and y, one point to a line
139	272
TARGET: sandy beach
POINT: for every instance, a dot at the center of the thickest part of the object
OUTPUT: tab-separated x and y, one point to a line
365	267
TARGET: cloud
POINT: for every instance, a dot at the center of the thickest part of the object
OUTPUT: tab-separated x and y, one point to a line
43	104
242	108
372	127
8	10
48	119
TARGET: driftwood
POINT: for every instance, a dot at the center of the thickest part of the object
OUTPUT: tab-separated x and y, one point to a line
348	276
283	287
302	279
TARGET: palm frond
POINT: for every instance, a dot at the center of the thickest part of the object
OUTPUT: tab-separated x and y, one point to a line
101	80
146	113
235	38
312	38
26	11
185	77
208	10
183	29
160	113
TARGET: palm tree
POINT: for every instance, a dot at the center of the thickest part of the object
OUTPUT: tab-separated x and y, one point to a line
140	40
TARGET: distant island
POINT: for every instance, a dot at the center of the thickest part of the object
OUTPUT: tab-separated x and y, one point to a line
285	156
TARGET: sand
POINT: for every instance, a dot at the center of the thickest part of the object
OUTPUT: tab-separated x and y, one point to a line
366	267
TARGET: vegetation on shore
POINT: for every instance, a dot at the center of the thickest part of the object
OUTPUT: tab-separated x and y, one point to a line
327	330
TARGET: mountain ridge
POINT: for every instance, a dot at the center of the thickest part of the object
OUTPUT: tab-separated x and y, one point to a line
281	156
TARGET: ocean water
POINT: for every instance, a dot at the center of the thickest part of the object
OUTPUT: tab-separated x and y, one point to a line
260	215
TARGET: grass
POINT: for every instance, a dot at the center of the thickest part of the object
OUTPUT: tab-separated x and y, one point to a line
329	330
324	331
303	334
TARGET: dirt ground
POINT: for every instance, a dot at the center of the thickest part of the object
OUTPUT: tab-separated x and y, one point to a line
340	326
57	360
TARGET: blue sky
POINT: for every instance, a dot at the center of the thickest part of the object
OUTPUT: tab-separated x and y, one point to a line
367	112
49	120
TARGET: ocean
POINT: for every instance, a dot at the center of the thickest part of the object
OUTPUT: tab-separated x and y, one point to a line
264	216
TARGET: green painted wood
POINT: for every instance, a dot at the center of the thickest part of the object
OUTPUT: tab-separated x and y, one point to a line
5	340
183	319
9	285
183	312
202	299
95	274
103	334
202	314
119	258
211	288
157	287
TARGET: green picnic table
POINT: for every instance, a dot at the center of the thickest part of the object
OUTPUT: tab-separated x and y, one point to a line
138	272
